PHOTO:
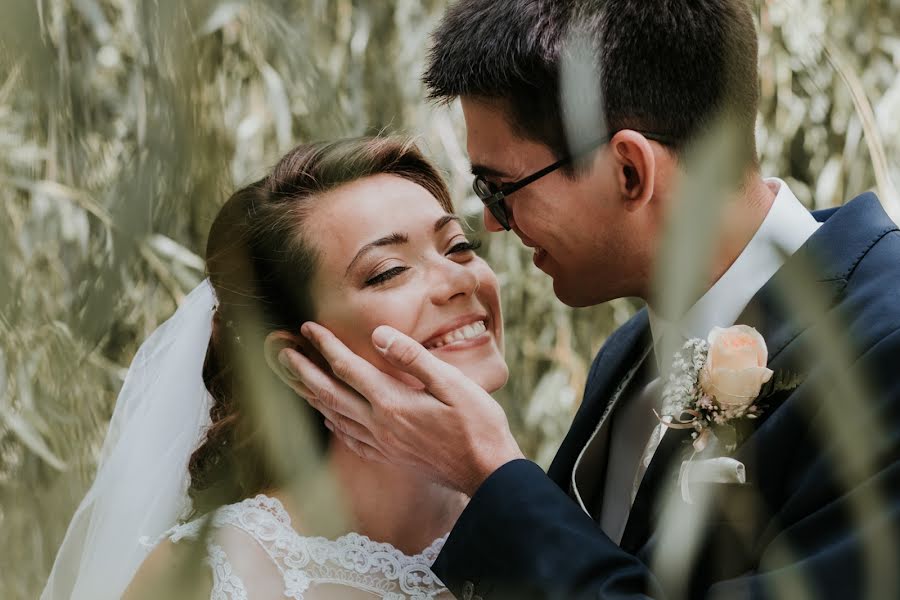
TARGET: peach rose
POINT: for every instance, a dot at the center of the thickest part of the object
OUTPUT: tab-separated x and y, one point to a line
735	369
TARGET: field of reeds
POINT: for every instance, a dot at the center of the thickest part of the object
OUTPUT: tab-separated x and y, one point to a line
124	125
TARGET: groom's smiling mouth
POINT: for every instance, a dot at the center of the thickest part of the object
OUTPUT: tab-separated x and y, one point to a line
539	253
464	332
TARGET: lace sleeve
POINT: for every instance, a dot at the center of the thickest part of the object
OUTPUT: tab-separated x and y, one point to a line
226	583
242	569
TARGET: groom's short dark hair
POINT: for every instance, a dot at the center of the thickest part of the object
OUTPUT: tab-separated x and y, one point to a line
667	66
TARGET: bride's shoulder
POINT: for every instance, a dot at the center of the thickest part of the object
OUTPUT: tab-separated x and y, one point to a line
250	514
163	572
232	540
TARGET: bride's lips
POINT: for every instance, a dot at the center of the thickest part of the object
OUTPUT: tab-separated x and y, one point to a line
478	333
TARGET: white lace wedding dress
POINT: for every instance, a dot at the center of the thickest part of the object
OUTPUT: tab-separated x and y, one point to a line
255	553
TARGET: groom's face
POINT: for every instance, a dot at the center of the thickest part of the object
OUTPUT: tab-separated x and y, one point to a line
582	234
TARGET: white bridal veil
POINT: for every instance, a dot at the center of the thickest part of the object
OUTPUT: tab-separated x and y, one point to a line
140	489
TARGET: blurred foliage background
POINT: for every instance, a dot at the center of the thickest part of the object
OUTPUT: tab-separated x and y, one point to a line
124	125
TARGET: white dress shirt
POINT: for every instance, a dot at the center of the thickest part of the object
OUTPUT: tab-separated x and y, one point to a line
787	226
785	229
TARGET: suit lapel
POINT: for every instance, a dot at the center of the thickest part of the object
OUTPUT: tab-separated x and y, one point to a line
617	357
588	478
818	270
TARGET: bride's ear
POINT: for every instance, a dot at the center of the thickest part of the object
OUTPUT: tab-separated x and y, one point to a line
277	341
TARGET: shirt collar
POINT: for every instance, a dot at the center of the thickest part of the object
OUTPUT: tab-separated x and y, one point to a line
785	229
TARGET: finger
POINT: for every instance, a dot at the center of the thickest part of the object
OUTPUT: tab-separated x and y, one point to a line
359	448
348	426
286	375
357	372
326	391
299	388
410	356
290	375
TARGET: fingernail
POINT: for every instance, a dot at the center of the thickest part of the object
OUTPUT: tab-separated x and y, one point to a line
383	337
288	367
305	330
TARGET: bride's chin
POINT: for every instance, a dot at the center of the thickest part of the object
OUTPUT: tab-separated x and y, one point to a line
488	375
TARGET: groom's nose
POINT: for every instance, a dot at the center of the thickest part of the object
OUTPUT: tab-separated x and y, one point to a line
492	225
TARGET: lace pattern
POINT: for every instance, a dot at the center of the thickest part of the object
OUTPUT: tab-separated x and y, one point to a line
352	560
226	584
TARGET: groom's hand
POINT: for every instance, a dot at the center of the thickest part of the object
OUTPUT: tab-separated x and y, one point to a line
452	430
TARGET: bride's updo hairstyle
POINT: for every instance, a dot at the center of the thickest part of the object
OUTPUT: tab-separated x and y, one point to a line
260	259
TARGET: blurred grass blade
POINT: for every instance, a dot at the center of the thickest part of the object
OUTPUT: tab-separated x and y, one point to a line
221	16
30	437
169	249
886	190
59	191
279	105
842	411
582	102
712	171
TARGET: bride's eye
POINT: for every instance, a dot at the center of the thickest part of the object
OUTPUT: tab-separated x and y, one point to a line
385	276
465	246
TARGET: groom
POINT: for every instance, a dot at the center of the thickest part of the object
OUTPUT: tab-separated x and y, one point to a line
817	511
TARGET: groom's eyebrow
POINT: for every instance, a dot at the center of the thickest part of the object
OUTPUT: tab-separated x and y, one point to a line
488	172
388	240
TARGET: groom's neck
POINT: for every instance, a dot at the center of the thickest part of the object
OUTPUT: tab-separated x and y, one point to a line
741	217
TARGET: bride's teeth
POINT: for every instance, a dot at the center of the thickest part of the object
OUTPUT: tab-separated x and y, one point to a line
457	335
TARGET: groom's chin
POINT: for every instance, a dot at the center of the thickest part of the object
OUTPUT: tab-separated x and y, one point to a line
581	292
572	296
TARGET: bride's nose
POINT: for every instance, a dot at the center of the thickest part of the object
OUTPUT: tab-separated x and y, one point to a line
451	280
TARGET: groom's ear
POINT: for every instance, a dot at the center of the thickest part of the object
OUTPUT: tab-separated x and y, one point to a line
635	168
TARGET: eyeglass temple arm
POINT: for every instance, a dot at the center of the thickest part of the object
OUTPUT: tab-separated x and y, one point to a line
509	189
656	137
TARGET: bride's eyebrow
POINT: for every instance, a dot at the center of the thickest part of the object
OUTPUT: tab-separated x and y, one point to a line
388	240
442	222
398	238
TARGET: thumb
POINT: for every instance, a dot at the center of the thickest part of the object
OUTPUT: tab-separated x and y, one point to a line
411	357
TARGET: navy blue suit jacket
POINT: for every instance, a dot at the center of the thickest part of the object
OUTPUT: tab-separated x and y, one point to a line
821	508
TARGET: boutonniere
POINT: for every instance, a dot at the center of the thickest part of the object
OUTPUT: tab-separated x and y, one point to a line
717	386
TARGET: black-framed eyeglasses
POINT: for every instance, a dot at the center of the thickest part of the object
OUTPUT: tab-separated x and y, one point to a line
492	195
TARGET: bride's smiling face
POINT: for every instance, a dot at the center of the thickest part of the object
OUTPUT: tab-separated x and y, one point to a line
389	254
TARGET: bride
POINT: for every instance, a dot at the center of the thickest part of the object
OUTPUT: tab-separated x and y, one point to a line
352	234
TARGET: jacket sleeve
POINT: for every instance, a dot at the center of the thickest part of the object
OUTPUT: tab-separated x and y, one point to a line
522	537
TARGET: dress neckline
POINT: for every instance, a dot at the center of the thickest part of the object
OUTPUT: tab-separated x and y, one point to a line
275	508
